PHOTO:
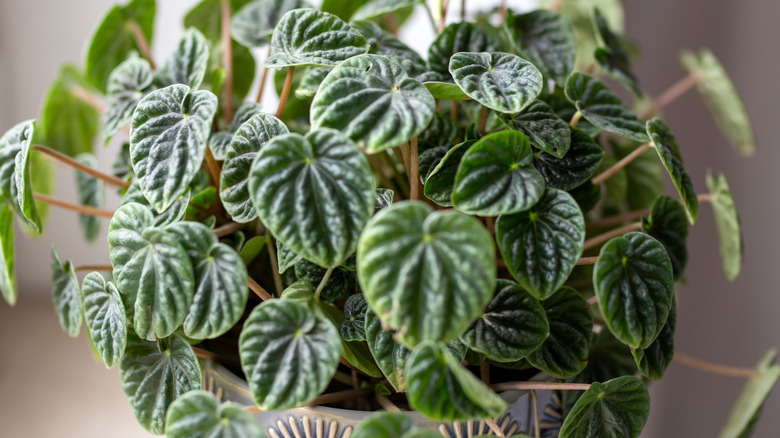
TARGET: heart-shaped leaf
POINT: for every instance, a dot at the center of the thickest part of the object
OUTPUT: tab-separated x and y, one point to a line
426	274
90	194
613	58
600	106
253	24
546	39
370	99
748	406
666	146
220	141
653	360
198	414
496	176
390	356
7	280
154	374
10	144
312	37
565	352
315	193
66	294
727	223
463	37
541	246
127	85
635	288
500	81
439	387
577	167
234	180
21	188
722	98
288	354
353	327
105	316
168	141
196	238
544	128
384	425
668	224
513	325
384	43
441	180
188	62
616	408
378	8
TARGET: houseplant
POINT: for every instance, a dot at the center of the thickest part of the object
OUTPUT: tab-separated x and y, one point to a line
525	187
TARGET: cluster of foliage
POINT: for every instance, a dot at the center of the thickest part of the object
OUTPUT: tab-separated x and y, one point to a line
416	218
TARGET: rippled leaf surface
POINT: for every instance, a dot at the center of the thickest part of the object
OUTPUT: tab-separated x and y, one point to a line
127	85
90	194
543	127
253	24
353	327
576	168
616	408
220	141
10	145
21	187
390	356
653	360
666	147
105	316
384	43
668	224
463	37
188	62
198	414
66	294
727	223
546	39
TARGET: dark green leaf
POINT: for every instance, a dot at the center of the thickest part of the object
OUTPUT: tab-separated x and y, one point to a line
66	294
543	127
442	131
547	40
578	166
220	141
587	196
617	408
90	194
21	188
750	401
353	326
608	358
121	168
187	64
429	159
613	58
653	360
384	425
105	316
341	283
580	14
384	43
446	91
463	37
441	180
616	187
390	356
667	223
378	8
7	280
666	147
727	222
342	9
69	123
253	24
127	85
198	414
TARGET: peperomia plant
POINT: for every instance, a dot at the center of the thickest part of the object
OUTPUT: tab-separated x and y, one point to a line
417	233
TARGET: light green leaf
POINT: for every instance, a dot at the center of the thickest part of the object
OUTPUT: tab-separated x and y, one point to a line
253	24
748	406
580	14
645	176
463	37
10	144
667	223
310	82
390	356
288	353
252	248
244	67
653	360
546	39
66	294
384	425
727	222
315	193
441	180
154	374
666	147
384	43
127	85
69	123
206	16
312	37
198	414
168	141
613	58
496	176
340	8
188	62
7	280
426	274
578	166
446	91
378	8
370	99
543	127
21	188
439	387
286	257
220	141
353	326
90	194
105	316
634	285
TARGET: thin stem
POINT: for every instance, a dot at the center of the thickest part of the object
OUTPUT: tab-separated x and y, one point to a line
83	209
445	4
392	25
89	98
94	268
625	161
213	167
714	368
263	79
414	174
227	61
205	354
535	401
454	111
333	397
269	244
324	280
527	386
575	119
483	114
285	92
462	10
402	153
704	197
490	225
484	373
671	94
228	229
592	301
601	238
619	219
494	427
258	290
142	43
386	403
109	179
377	166
401	182
586	261
502	11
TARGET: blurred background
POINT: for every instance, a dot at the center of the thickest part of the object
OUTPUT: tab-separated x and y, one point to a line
50	385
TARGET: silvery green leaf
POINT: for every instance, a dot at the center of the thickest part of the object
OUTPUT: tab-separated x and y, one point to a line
577	167
286	257
543	127
384	199
10	144
198	414
90	194
353	326
727	223
187	64
616	408
173	214
219	141
105	316
463	37
253	24
196	238
546	39
127	85
748	406
21	188
384	43
377	8
66	294
7	281
667	149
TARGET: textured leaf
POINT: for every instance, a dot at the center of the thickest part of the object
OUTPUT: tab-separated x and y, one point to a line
722	98
105	317
441	180
578	166
234	181
600	106
496	176
500	81
390	356
373	101
315	193
378	8
439	387
312	37
285	257
748	406
7	280
197	239
66	294
384	43
667	223
288	354
188	62
614	409
68	122
653	360
442	131
543	127
11	143
253	24
727	222
127	85
666	147
198	414
384	199
635	288
426	274
384	425
546	39
613	58
429	159
220	141
21	188
168	141
340	284
353	327
173	214
154	374
446	91
565	352
90	194
463	37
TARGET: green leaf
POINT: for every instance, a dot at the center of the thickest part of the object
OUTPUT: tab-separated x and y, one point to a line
384	43
252	248
11	143
220	141
727	223
653	360
244	66
645	176
173	214
463	37
613	58
340	284
312	37
198	414
666	147
21	188
541	246
286	257
442	131
390	356
114	39
426	274
446	91
500	81
441	180
105	316
154	374
748	406
127	85
197	239
66	294
429	159
353	326
544	128
496	176
667	223
372	100
546	39
7	280
635	288
90	194
608	358
315	193
253	24
617	408
206	16
384	198
340	8
248	140
378	8
168	141
600	106
587	196
722	98
565	352
288	353
440	388
310	82
576	168
188	62
384	425
616	187
68	122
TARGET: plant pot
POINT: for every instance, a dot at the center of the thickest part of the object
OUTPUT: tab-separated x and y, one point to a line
326	422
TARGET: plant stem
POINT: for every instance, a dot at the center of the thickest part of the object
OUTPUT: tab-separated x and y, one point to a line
414	174
445	4
575	119
386	403
527	386
324	280
205	354
592	301
285	92
109	179
142	43
462	10
555	5
714	368
454	111
494	427
670	95
89	98
227	62
586	261
228	229
93	268
484	372
619	219
269	244
83	209
601	238
402	153
258	290
491	227
625	161
704	197
400	181
535	401
483	114
263	79
392	26
213	168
